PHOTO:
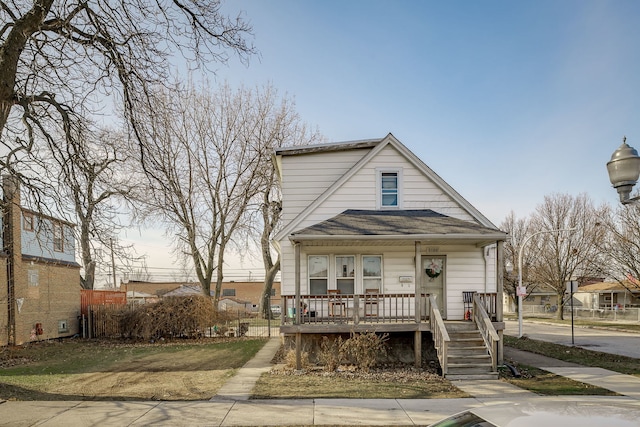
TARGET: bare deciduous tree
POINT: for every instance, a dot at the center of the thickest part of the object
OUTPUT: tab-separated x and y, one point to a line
561	256
89	172
518	230
208	160
60	60
621	247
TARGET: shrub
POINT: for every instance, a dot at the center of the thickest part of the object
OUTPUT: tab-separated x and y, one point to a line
365	349
331	353
290	359
173	317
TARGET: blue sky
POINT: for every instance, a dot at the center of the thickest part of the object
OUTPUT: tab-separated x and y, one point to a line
508	101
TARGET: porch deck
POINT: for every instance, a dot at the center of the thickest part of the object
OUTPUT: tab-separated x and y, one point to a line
372	312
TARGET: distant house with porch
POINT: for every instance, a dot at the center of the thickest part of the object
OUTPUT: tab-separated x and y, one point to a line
609	295
374	240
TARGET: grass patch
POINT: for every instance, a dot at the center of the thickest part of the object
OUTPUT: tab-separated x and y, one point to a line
621	364
113	370
548	384
582	322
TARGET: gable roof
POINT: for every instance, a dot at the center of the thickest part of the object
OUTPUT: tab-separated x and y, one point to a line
374	146
610	287
423	224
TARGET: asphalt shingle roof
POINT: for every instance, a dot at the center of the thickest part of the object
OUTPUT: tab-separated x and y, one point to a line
355	222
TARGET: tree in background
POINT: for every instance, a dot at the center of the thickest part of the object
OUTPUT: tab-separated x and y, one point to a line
64	60
621	247
560	256
89	171
292	132
518	230
208	164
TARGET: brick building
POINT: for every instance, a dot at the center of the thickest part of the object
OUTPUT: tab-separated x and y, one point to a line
40	290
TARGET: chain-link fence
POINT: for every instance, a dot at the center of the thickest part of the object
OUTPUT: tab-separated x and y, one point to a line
608	314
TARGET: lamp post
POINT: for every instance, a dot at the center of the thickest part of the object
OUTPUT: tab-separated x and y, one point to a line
520	290
624	170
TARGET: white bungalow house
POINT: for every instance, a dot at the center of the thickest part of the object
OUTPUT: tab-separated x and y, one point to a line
374	240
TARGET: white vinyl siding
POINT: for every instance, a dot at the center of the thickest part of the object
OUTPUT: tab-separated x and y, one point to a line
360	192
465	270
305	177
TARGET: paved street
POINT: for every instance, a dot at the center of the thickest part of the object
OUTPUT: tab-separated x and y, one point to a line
608	341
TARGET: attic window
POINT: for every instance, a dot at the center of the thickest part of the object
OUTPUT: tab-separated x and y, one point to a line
389	188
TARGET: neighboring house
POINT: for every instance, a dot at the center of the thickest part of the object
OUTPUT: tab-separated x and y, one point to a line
41	279
234	304
374	240
609	295
540	298
246	291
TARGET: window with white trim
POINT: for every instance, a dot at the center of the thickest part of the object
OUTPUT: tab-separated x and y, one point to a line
345	273
318	274
372	272
389	188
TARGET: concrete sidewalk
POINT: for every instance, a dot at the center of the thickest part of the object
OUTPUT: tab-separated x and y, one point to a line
232	407
626	385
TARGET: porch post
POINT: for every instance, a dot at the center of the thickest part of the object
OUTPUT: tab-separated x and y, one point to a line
500	281
499	297
417	336
296	300
417	348
296	304
418	303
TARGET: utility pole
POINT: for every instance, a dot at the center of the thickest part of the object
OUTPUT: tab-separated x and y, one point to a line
113	264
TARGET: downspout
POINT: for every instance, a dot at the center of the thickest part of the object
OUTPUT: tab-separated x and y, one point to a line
485	252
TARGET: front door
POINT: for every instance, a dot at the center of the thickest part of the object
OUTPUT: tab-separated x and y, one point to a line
432	280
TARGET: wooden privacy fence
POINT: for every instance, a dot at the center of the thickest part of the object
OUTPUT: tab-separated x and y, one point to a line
90	297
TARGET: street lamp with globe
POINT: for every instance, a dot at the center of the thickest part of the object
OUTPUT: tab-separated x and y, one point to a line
624	170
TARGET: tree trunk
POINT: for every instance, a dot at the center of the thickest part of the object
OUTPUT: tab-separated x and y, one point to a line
559	302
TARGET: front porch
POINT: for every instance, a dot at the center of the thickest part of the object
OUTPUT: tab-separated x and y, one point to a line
397	313
368	311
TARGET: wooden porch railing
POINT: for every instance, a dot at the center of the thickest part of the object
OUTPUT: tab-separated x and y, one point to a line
489	302
439	332
354	308
488	332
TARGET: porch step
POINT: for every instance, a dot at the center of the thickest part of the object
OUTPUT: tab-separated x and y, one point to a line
467	357
488	376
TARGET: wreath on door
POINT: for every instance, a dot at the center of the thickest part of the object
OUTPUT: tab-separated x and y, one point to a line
434	268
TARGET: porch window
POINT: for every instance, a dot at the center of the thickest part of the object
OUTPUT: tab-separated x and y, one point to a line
372	272
345	274
318	274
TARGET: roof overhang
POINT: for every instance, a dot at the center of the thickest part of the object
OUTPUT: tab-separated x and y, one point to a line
387	240
353	227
